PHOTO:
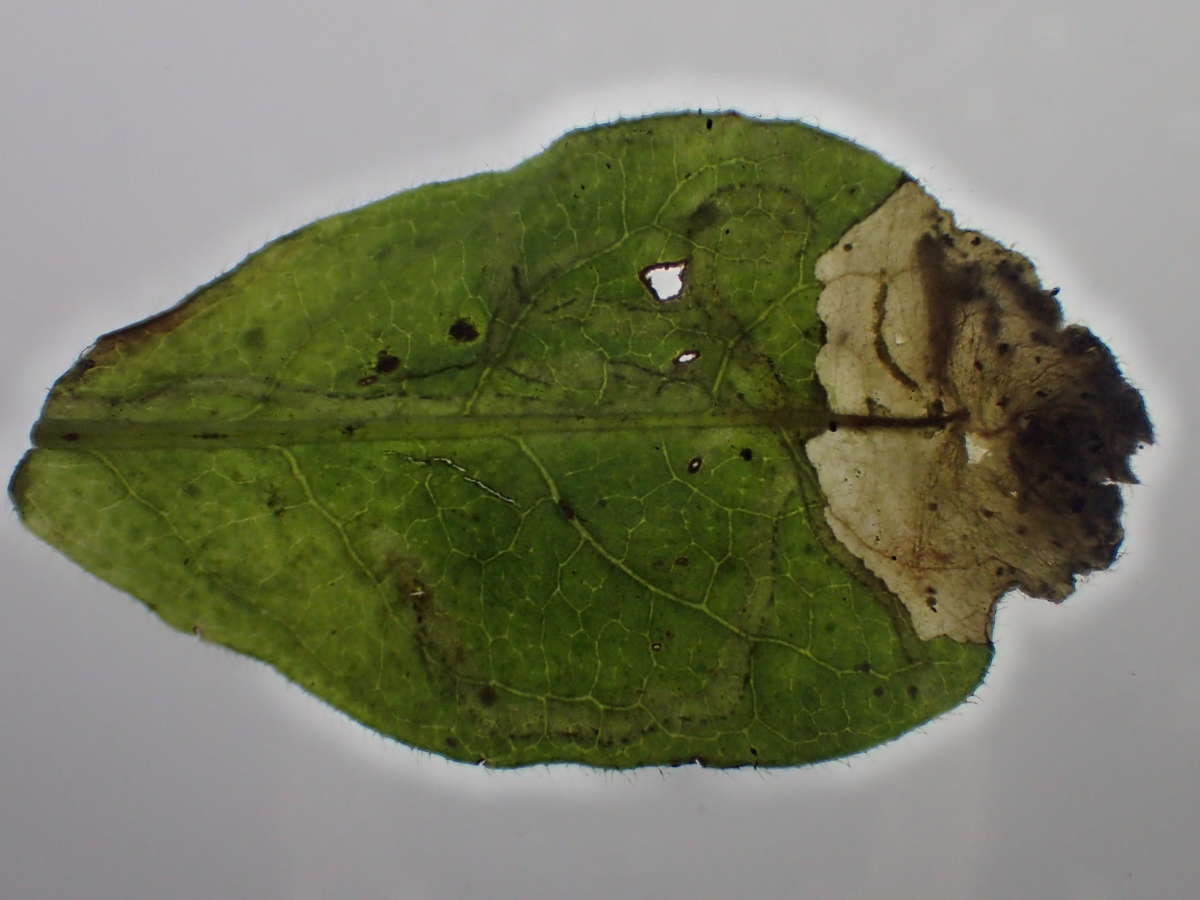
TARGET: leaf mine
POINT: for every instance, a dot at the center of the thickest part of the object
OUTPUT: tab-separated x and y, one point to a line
1012	484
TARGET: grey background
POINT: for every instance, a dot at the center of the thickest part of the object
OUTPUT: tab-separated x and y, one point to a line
147	146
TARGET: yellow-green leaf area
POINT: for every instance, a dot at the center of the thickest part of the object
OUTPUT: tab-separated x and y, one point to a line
449	463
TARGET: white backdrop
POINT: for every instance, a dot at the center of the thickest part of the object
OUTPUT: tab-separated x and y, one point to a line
147	146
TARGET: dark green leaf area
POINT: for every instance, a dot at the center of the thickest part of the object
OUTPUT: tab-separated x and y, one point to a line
447	462
544	271
526	600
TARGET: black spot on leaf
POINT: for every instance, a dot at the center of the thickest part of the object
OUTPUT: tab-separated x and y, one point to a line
386	363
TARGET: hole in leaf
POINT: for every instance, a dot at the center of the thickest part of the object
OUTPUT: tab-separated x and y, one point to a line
694	465
686	357
665	280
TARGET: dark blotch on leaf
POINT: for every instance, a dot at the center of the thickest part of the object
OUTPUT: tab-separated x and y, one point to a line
464	331
1039	304
567	509
746	454
254	338
488	695
386	362
703	216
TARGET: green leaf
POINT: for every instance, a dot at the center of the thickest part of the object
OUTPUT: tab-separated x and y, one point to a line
470	466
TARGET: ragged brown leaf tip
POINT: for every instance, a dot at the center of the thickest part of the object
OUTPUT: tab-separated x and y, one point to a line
1026	426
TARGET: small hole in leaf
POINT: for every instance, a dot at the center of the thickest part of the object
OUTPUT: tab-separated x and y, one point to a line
665	280
686	357
464	331
694	465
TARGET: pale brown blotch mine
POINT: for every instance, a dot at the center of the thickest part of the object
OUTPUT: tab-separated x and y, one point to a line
979	442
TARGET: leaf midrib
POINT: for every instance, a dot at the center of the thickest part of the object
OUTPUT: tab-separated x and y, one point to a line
79	434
